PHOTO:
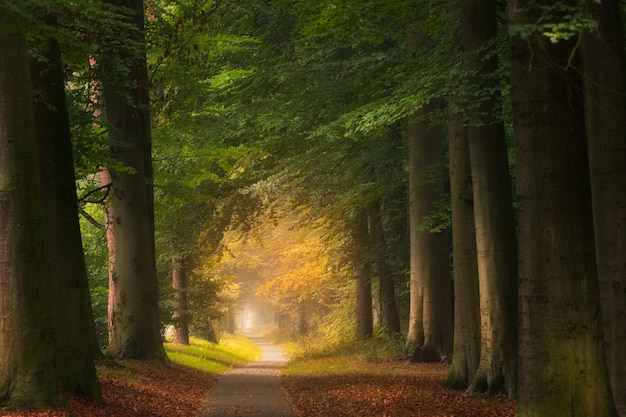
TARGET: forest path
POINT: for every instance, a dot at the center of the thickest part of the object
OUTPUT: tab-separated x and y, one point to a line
252	390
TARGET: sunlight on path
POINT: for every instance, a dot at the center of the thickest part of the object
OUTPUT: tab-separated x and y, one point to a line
252	390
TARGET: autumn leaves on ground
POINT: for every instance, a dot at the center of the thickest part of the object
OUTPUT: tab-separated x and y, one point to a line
344	385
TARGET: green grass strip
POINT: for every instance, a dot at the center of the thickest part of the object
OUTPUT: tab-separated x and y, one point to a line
233	350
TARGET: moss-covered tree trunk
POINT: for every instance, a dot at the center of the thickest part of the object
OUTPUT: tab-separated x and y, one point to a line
604	66
493	204
562	365
29	367
74	325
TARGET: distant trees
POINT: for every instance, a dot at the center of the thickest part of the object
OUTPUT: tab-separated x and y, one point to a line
430	318
363	276
181	306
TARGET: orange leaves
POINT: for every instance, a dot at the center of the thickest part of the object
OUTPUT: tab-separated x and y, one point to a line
142	390
416	394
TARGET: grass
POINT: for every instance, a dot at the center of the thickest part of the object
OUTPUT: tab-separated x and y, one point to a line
351	364
211	357
382	354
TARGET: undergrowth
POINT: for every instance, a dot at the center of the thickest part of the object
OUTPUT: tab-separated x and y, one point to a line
317	355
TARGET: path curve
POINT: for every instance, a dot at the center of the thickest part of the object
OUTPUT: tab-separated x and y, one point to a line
252	390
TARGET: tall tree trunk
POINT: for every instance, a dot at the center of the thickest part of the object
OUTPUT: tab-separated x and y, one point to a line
389	317
179	283
362	271
430	317
466	354
562	365
135	332
604	66
29	369
74	325
493	207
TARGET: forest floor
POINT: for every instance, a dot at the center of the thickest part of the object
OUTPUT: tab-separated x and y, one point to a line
145	390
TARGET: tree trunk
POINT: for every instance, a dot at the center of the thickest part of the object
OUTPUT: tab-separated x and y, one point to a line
362	271
604	66
179	283
73	314
562	366
430	316
493	208
230	320
105	181
29	369
303	326
135	332
388	315
466	354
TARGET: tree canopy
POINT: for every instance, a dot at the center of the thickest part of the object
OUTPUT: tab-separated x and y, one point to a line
293	158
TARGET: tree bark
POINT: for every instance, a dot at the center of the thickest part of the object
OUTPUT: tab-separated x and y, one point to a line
135	324
466	353
105	181
362	271
179	283
73	314
389	317
430	317
29	369
562	366
604	66
493	206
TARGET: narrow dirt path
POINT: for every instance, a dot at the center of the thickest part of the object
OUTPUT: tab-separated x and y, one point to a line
253	390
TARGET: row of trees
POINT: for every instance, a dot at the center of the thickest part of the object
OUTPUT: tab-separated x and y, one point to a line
516	92
355	114
48	335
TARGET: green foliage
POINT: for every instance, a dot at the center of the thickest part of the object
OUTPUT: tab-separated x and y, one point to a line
97	262
266	107
383	346
558	21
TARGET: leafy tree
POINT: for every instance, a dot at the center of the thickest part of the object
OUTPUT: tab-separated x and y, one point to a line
134	323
